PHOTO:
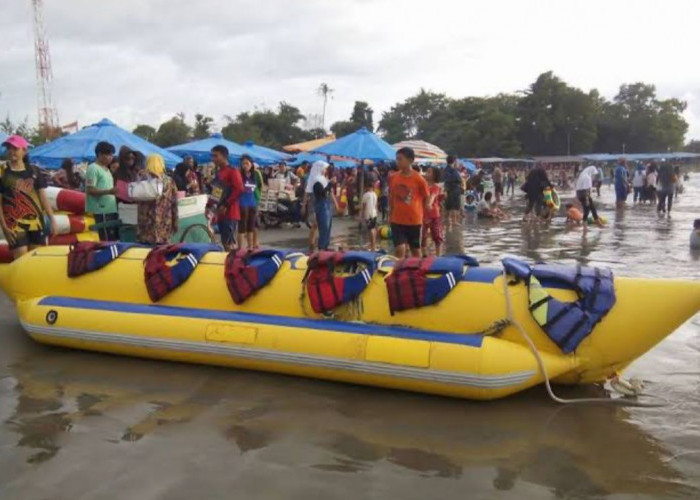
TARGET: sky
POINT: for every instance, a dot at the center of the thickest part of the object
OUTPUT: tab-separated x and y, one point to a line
142	61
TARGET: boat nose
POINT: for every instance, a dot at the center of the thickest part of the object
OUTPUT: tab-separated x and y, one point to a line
646	312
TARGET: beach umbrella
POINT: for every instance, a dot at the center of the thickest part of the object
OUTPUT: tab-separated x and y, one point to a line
80	146
471	168
423	150
200	149
3	136
312	157
303	147
262	152
361	145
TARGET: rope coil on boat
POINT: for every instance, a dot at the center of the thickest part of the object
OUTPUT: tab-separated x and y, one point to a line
634	389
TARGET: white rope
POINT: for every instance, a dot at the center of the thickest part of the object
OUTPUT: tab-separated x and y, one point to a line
543	370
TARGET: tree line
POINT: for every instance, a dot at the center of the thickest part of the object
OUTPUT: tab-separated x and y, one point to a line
550	117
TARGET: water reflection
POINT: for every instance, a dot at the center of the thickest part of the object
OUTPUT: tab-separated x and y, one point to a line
68	412
525	440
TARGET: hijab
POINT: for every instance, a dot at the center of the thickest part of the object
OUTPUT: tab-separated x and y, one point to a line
317	175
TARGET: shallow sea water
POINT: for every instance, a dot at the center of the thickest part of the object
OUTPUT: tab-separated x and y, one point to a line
79	425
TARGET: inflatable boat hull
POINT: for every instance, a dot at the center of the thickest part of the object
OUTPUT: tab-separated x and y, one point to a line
432	349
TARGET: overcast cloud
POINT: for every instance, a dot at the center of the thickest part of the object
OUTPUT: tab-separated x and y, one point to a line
141	61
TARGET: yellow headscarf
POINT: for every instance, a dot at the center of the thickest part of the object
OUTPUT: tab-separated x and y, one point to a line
155	165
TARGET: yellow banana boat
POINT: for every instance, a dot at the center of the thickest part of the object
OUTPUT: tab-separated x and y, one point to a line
461	344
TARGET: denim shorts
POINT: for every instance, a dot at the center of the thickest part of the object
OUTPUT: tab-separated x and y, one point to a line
227	231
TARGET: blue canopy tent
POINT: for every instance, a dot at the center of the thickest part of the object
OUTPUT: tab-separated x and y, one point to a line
80	146
361	145
262	152
200	150
640	156
312	157
3	136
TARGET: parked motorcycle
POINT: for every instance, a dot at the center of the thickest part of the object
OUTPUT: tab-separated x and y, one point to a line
284	210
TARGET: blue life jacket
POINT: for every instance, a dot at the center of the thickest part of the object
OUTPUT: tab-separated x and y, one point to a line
87	256
408	284
326	289
566	323
246	272
161	278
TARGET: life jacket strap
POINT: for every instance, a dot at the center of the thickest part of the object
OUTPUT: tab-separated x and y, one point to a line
572	331
533	307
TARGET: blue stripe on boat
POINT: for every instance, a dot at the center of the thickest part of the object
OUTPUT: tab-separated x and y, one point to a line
481	274
285	321
489	275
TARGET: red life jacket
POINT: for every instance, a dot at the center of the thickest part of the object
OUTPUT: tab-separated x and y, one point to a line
247	272
241	279
88	256
407	283
409	286
5	254
160	277
326	290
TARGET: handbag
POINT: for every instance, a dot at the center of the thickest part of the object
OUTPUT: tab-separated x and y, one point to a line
122	191
148	190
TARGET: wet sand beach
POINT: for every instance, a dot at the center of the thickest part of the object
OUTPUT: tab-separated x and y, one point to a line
81	425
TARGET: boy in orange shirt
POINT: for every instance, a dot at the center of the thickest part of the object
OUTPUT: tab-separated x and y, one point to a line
408	196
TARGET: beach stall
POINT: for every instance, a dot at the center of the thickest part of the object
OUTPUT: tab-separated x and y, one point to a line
80	146
360	145
201	151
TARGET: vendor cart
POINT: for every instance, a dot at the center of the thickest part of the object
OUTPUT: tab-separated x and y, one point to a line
193	226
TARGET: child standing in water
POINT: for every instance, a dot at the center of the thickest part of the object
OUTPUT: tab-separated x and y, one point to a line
369	214
432	219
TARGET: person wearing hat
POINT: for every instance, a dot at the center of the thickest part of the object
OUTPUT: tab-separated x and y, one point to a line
23	200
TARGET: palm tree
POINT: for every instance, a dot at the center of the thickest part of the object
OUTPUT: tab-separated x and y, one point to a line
324	90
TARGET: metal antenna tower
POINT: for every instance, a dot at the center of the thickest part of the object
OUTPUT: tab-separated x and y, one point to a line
48	116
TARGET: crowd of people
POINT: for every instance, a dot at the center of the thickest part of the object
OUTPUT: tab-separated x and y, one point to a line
411	200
